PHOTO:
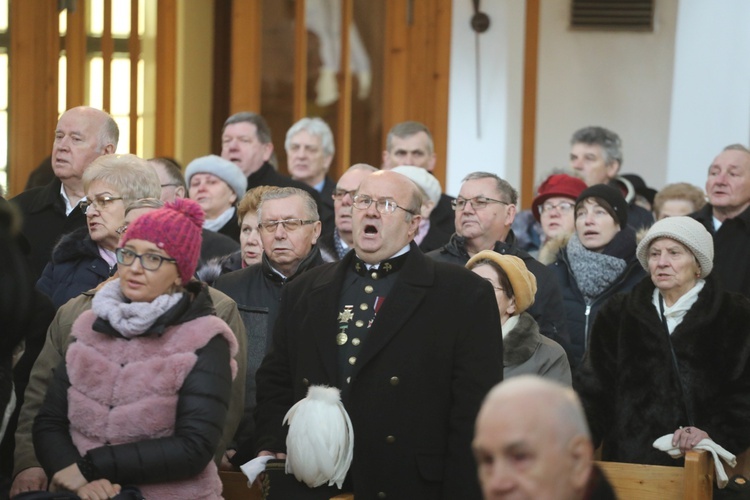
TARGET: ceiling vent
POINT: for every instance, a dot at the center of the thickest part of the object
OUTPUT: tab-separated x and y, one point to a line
607	15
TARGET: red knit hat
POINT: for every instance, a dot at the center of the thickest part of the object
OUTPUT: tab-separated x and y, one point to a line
557	185
176	229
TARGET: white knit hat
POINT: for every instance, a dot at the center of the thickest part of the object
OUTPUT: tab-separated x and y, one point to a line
221	168
422	178
685	230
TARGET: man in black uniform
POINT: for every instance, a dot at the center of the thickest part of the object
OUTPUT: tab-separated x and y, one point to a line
413	345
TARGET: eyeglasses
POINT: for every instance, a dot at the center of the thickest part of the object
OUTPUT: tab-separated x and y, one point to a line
149	261
288	224
99	202
563	207
340	193
173	184
383	205
121	230
478	202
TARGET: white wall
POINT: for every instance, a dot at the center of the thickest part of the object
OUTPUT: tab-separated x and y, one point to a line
711	94
618	80
501	49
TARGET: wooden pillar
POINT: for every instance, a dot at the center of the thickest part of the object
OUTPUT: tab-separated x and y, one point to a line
300	61
166	77
344	122
32	104
245	81
75	55
530	71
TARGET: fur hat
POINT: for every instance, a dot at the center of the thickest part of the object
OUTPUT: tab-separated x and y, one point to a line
685	230
521	279
617	206
176	229
422	178
556	185
221	168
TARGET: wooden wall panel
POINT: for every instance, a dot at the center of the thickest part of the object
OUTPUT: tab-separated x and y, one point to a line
246	60
417	66
32	104
530	70
75	54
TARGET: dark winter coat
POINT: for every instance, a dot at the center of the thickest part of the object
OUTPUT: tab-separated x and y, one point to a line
44	222
325	209
443	216
217	245
267	175
548	306
232	228
132	432
76	267
528	352
257	291
578	313
431	356
628	385
731	245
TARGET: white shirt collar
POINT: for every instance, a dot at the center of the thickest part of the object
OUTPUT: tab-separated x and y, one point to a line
68	207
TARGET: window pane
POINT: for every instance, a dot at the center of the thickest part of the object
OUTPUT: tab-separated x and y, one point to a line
62	84
96	75
4	15
63	23
96	17
4	150
120	18
120	96
123	146
3	81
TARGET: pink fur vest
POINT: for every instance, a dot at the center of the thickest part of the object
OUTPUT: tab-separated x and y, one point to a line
124	391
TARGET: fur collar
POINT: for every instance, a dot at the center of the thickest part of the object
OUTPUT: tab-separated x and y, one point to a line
74	246
550	249
521	342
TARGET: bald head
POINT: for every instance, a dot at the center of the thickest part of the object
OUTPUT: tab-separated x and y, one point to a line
532	441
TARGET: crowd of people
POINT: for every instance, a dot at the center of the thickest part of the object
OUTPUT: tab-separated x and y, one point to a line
158	324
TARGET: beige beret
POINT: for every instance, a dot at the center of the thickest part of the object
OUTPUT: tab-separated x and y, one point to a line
521	279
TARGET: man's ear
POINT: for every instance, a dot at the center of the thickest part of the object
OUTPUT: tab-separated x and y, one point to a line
581	455
431	163
109	149
510	215
179	192
612	169
267	151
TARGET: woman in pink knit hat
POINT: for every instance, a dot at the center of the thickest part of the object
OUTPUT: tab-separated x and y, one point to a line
142	394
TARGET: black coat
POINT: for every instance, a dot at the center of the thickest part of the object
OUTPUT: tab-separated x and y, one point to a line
44	222
547	309
325	208
443	215
431	356
76	267
731	244
257	291
269	176
217	245
627	382
201	411
579	315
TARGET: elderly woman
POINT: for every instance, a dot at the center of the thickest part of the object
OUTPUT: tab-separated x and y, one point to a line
678	199
598	261
671	356
216	184
525	350
142	394
553	208
251	246
86	257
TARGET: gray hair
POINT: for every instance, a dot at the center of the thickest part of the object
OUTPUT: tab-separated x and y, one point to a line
109	133
362	166
737	147
172	169
153	203
263	131
316	127
132	176
502	186
599	136
311	208
407	129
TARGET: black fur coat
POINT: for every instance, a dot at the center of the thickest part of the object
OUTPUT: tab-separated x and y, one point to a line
628	385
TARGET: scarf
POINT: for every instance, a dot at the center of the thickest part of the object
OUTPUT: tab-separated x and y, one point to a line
677	311
594	272
219	222
130	319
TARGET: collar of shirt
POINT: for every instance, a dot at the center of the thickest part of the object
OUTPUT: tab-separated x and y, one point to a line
68	207
397	254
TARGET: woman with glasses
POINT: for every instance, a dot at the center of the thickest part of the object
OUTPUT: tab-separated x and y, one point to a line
86	257
553	208
525	350
142	394
597	262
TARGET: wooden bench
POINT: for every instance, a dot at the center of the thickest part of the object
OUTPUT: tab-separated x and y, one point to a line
235	487
654	482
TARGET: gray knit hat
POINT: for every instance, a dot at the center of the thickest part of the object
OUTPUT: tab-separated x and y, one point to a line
221	168
685	230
